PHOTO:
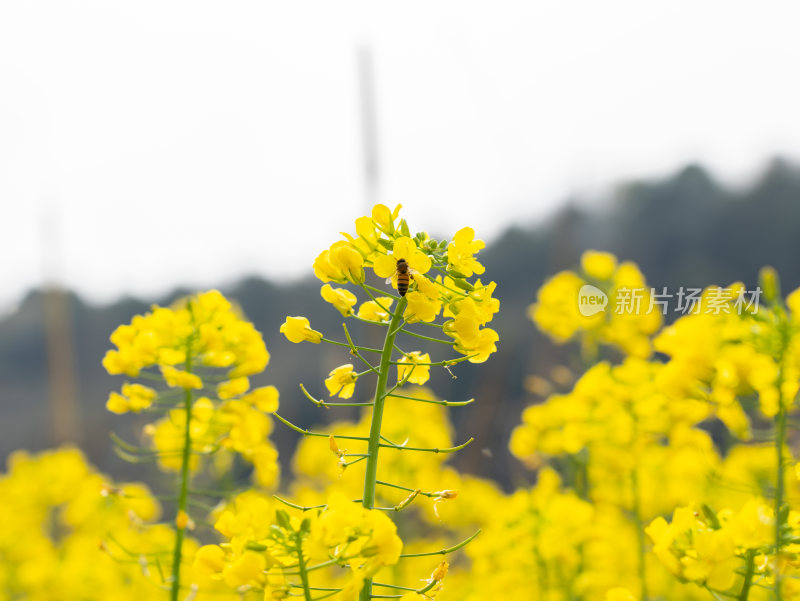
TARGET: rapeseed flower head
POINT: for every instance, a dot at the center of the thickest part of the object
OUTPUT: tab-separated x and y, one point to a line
298	329
382	239
626	322
199	335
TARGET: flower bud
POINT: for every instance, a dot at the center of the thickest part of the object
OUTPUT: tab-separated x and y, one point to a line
770	284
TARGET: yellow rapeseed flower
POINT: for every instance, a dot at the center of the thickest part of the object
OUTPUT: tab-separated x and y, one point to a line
233	388
264	399
414	363
421	307
340	263
177	378
342	381
298	329
461	250
343	300
376	310
403	248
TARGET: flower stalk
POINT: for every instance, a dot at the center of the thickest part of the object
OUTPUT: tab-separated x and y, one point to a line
183	493
374	444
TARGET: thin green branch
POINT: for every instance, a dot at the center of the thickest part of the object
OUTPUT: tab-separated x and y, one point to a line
424	494
399	350
344	344
327	404
435	402
376	301
463	543
296	506
446	362
310	433
315	588
376	323
400	383
423	337
380	291
389	441
394	586
354	350
429	449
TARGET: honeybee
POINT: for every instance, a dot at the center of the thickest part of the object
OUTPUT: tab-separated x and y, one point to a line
404	274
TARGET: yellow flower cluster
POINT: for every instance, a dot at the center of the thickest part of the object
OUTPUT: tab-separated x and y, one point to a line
204	330
635	436
407	425
729	356
65	531
626	322
709	549
199	337
381	240
618	418
264	546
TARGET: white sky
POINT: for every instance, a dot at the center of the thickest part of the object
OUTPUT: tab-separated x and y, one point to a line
161	143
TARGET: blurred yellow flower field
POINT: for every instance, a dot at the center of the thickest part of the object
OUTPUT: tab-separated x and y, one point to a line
664	471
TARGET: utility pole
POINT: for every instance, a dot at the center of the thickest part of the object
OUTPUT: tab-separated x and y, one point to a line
369	127
59	339
370	165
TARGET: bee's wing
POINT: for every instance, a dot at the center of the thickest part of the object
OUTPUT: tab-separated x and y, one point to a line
412	271
389	280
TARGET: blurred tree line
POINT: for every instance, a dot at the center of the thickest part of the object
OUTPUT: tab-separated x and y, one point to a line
685	230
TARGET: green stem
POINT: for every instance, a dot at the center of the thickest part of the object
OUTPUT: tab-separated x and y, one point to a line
780	441
302	567
373	446
637	516
184	490
780	438
750	568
